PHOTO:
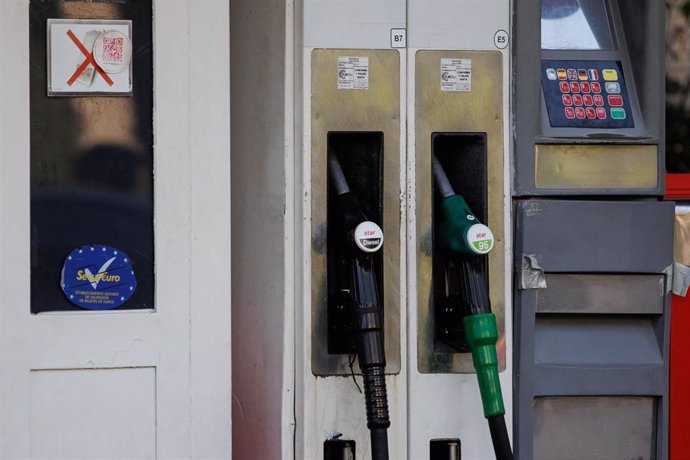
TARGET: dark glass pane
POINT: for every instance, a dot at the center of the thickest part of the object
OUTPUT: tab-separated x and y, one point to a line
91	160
678	86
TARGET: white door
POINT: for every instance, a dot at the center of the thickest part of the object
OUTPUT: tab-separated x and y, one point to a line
123	384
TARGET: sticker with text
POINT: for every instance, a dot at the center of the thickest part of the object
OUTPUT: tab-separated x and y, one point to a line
353	72
98	277
456	74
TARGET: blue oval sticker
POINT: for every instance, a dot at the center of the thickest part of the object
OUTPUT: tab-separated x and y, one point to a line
98	277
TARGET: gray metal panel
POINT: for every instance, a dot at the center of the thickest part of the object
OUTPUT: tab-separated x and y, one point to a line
532	380
604	428
596	341
602	294
561	379
596	236
640	35
578	242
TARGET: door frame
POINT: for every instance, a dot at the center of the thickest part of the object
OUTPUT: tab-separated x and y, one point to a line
192	231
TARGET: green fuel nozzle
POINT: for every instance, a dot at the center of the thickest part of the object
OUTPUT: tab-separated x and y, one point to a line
460	231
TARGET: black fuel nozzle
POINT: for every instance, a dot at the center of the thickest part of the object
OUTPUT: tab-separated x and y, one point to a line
359	239
358	234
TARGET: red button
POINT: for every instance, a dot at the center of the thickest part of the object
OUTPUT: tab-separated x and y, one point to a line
596	87
588	100
567	99
584	86
580	112
569	113
565	87
601	113
577	99
574	87
615	100
598	100
591	113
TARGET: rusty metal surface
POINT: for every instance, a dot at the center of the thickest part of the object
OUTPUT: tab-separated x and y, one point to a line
373	110
576	166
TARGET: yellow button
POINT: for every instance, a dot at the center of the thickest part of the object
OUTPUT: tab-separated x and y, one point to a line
610	74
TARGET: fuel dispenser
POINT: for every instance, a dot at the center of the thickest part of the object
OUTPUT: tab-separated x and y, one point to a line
581	327
459	310
354	297
593	243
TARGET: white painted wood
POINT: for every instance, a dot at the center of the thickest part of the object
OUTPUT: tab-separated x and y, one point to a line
209	151
187	338
116	407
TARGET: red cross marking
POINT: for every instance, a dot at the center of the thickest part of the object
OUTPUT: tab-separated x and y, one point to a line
89	60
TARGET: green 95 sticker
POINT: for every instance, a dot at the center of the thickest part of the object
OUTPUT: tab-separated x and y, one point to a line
480	239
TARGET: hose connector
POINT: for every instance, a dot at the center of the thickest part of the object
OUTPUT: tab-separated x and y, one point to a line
482	334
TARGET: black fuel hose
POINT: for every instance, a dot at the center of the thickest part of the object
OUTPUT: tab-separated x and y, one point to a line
367	311
499	438
371	353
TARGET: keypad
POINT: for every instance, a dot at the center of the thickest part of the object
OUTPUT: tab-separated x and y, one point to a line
586	94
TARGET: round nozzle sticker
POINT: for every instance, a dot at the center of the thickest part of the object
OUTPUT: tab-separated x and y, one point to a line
368	236
480	239
113	51
98	277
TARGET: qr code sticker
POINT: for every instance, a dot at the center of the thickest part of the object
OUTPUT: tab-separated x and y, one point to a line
113	50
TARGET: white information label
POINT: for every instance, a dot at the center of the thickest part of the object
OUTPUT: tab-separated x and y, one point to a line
398	38
480	239
501	39
89	57
456	74
368	236
353	72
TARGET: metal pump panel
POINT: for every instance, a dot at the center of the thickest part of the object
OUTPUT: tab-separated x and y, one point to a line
593	245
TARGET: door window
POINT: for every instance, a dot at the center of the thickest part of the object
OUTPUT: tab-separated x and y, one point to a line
91	164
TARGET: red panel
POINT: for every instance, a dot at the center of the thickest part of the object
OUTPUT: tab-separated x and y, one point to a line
680	377
677	186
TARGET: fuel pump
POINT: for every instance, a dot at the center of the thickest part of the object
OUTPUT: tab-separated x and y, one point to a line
354	308
467	241
459	263
591	291
357	240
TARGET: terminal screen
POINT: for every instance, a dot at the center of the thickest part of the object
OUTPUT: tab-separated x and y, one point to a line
575	25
